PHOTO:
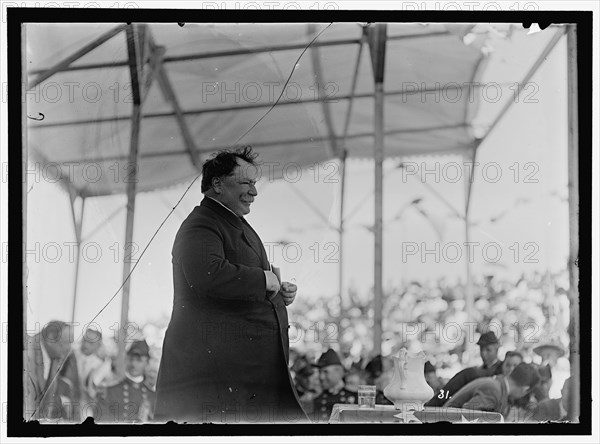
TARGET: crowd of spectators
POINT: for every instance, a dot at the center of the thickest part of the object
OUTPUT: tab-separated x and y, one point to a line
331	351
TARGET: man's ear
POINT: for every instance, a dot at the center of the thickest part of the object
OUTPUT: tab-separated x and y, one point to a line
217	184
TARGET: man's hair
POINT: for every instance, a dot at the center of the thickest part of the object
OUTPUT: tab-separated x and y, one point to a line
525	375
510	354
53	330
223	163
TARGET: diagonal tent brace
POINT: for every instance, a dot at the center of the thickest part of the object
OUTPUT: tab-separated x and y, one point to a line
318	70
65	64
169	95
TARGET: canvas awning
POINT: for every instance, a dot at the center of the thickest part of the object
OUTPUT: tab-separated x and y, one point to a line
224	78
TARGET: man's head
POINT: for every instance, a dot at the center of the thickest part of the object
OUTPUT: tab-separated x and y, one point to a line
138	356
511	360
331	370
488	348
91	342
522	379
57	338
230	177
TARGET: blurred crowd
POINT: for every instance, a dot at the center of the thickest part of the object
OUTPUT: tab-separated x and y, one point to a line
528	317
518	323
509	386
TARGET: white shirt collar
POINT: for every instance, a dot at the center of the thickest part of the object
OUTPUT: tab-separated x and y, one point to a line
136	379
228	209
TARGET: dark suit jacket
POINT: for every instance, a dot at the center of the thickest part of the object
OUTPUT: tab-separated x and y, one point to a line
226	349
488	394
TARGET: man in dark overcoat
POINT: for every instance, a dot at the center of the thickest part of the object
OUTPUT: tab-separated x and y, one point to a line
226	349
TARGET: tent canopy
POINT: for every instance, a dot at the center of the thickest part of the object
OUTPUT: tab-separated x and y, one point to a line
219	80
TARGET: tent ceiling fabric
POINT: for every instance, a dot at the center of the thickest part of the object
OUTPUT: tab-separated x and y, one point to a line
87	111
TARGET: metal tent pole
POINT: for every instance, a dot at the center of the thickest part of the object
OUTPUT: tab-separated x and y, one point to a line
469	294
377	41
343	157
134	47
573	185
341	238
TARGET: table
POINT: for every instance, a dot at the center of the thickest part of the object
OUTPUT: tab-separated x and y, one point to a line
388	414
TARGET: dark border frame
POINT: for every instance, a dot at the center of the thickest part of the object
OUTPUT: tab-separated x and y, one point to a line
16	427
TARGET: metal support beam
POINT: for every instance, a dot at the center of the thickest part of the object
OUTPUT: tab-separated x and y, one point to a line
64	65
224	109
377	43
341	235
469	294
135	50
573	185
343	176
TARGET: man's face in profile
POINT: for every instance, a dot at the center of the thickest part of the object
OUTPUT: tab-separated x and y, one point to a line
238	190
489	353
331	375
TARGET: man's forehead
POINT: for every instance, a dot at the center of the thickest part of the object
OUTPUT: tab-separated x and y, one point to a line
245	170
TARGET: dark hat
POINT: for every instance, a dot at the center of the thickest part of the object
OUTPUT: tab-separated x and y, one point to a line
429	367
139	348
330	357
375	366
525	375
487	339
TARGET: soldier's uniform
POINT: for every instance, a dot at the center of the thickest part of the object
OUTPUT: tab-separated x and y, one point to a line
127	401
323	404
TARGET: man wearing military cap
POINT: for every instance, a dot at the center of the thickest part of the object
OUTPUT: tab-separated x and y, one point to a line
131	399
488	350
331	374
